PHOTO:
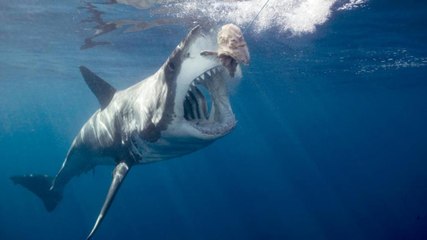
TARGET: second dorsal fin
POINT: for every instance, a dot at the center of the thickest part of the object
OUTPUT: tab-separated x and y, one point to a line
103	91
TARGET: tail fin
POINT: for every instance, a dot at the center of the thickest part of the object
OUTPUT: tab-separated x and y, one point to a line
40	185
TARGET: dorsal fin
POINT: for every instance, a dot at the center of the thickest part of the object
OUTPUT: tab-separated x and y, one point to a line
103	91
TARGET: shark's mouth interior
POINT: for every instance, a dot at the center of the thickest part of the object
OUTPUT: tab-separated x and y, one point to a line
206	104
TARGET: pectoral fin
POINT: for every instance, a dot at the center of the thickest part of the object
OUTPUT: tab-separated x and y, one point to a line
119	174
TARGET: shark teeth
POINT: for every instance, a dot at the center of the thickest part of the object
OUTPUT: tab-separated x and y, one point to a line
208	74
218	128
198	96
205	106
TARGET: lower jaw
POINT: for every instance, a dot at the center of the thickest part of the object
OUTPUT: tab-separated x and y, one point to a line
216	129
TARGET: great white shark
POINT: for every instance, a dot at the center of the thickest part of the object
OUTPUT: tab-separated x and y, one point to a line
181	108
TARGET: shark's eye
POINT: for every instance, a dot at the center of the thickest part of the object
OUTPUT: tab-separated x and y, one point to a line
171	66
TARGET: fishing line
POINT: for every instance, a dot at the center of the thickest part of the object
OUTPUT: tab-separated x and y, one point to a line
247	27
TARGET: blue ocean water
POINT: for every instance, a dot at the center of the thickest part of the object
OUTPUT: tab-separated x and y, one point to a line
331	136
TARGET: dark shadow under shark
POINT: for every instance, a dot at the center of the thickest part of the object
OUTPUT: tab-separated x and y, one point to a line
162	117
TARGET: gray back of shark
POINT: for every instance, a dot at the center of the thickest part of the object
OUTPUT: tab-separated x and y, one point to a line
181	108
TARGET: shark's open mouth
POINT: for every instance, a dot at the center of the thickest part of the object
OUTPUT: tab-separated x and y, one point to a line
206	104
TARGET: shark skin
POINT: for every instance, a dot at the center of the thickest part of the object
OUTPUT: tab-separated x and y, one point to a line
166	115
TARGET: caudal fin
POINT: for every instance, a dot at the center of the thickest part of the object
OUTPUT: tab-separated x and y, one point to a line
40	186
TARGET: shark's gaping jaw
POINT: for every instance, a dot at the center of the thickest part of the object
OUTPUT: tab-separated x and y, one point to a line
206	104
202	107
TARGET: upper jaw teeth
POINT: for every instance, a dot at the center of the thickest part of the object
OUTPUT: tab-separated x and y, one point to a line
207	75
